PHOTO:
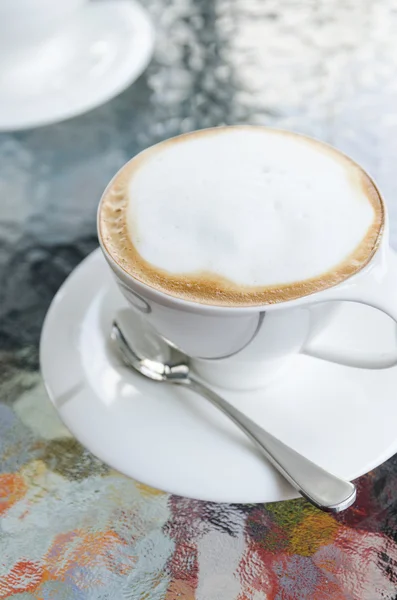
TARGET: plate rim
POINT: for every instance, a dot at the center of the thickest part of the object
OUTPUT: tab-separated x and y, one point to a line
137	13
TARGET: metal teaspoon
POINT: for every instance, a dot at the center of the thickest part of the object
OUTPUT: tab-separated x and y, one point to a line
323	489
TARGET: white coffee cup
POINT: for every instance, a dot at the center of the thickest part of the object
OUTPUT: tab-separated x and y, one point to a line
244	347
27	25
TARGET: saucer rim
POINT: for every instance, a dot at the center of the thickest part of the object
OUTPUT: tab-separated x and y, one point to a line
103	456
137	66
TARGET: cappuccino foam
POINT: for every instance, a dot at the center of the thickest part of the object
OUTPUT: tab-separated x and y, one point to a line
241	215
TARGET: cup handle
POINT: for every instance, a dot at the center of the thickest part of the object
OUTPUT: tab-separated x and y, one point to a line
379	291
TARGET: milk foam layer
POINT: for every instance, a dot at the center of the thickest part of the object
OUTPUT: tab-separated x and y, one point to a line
248	211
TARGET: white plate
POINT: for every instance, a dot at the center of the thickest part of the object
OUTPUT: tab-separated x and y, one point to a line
92	61
342	418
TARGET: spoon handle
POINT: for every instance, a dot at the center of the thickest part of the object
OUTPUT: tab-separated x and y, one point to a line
321	488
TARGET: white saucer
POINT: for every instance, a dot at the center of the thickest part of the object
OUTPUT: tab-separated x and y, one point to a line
92	61
342	418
